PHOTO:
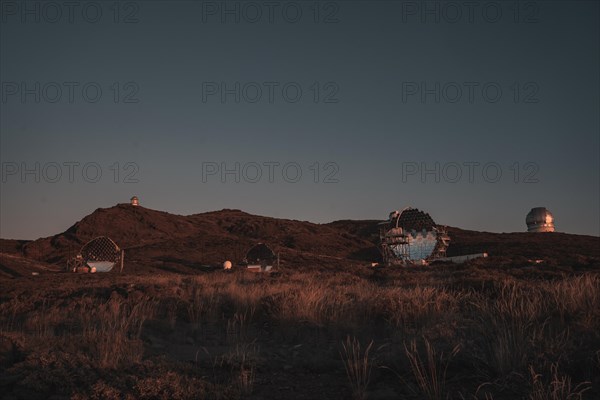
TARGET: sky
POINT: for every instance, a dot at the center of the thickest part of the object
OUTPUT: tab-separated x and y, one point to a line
308	110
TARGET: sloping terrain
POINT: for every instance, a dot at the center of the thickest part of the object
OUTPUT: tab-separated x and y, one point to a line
152	334
551	245
160	240
15	266
557	246
156	239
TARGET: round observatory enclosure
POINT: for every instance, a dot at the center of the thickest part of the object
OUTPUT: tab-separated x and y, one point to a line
260	254
411	236
260	258
101	253
540	219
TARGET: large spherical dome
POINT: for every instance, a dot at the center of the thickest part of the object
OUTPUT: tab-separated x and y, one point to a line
540	219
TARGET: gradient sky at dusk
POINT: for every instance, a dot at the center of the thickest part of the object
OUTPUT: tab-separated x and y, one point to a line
372	52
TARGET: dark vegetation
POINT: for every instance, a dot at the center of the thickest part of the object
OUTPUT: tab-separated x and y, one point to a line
324	326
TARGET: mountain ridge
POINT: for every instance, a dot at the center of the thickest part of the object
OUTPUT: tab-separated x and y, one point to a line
162	240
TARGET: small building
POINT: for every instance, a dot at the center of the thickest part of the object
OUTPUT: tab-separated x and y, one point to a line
462	259
135	201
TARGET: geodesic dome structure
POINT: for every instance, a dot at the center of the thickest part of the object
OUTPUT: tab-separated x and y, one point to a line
260	258
100	255
411	236
260	254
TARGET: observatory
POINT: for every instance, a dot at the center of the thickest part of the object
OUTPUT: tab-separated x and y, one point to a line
260	258
540	219
410	237
98	255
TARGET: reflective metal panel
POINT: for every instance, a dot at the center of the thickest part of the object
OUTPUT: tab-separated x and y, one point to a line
411	236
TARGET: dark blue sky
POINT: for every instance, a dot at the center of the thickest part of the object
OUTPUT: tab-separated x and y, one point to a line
388	89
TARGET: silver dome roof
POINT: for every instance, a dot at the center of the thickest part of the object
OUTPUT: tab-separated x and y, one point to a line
540	219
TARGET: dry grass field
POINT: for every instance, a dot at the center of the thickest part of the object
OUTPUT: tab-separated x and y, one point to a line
475	331
324	326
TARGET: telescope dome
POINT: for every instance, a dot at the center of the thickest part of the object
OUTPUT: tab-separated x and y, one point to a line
540	219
